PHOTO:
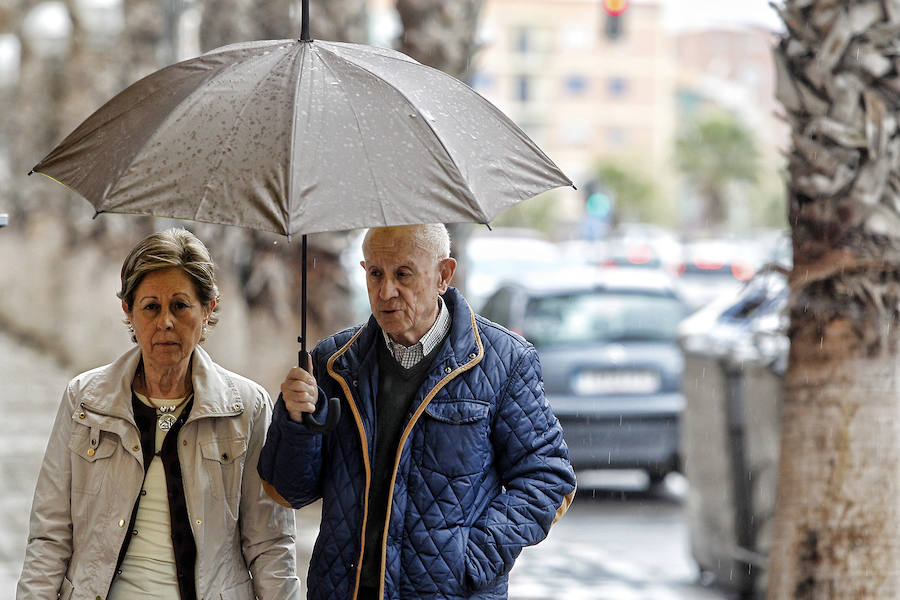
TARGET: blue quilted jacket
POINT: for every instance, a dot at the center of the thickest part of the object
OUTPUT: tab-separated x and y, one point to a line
481	471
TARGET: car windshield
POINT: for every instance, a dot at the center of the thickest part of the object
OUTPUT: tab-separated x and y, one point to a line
587	317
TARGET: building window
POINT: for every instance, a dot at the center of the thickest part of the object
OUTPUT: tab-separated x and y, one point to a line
523	40
614	27
576	85
617	86
523	88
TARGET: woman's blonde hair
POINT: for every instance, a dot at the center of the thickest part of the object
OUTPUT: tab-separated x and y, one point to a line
174	247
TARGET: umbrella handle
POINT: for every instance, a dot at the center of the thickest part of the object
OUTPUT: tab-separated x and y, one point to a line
334	407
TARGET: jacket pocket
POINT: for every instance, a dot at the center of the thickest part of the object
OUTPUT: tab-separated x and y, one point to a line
455	437
223	460
91	449
65	590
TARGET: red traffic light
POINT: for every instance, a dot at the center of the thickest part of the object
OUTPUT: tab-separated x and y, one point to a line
614	8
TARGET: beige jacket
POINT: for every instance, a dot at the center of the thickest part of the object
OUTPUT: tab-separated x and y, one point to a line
93	471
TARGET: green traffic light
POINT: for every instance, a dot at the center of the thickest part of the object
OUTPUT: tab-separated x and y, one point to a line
599	205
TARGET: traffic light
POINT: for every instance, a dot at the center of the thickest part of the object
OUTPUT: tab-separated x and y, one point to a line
614	8
613	28
598	204
614	13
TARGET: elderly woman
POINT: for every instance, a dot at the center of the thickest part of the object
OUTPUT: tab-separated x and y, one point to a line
149	487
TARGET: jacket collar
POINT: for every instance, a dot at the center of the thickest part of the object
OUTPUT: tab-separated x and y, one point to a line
214	392
462	345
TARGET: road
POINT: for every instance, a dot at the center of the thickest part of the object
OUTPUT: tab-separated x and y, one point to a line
616	542
31	386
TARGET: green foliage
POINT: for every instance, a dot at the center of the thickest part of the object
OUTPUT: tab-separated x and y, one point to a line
540	213
713	151
716	149
634	193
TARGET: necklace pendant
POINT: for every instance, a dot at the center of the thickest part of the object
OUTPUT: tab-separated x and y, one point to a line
165	421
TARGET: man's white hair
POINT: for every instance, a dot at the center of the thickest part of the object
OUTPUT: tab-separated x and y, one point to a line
434	237
437	238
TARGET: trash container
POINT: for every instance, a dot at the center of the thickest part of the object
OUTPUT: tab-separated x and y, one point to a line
735	352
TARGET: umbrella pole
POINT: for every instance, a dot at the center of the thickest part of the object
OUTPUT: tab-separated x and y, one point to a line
334	405
304	23
302	339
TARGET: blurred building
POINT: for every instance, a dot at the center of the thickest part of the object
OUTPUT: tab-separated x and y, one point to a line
582	84
732	68
589	87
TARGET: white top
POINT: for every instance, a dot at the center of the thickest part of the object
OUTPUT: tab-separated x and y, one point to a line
148	570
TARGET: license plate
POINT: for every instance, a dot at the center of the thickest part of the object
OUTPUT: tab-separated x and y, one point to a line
594	383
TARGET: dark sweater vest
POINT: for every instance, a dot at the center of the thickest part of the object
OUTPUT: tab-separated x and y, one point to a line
397	388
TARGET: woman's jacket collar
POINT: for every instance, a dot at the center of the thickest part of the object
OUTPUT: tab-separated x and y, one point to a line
215	394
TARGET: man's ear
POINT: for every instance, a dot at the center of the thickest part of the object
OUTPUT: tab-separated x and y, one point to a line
446	268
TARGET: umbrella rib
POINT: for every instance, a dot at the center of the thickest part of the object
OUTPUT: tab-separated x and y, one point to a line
365	147
221	155
470	198
149	97
211	75
293	140
144	99
504	118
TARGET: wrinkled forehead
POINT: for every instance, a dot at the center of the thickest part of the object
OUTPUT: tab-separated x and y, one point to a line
397	240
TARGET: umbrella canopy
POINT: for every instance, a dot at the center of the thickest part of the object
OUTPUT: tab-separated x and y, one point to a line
296	137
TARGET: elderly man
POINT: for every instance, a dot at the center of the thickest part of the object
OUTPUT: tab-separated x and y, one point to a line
447	459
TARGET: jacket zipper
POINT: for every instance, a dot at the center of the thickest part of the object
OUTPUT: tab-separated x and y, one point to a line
365	447
405	435
351	401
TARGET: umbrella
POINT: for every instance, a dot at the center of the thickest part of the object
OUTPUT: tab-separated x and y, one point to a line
302	136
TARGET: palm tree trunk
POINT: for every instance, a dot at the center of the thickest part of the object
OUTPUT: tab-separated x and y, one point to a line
145	32
837	517
440	34
52	95
230	21
338	20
